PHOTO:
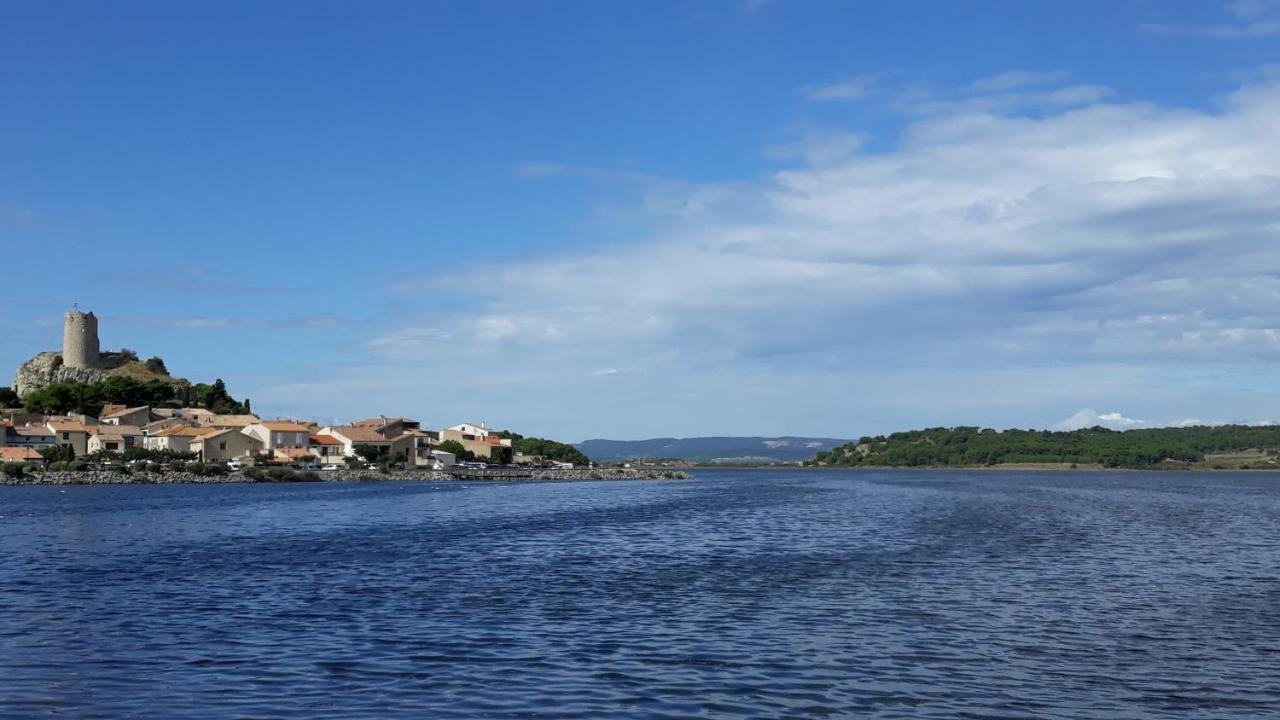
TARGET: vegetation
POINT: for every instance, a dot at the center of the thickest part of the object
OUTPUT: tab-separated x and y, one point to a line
62	398
58	454
9	398
545	449
215	398
460	453
972	446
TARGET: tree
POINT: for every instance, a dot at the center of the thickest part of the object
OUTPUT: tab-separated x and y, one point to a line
57	453
552	450
370	453
9	398
459	452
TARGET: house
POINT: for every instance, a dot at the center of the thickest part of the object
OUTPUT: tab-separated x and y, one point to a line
176	439
152	428
224	444
19	454
114	438
72	434
479	440
392	435
232	421
328	449
120	415
31	436
281	438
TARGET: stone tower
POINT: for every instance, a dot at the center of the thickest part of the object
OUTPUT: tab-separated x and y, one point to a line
80	340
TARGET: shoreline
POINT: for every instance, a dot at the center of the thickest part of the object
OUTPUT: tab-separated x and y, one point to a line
109	477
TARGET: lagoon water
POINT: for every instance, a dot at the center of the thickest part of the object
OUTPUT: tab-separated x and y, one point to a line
736	594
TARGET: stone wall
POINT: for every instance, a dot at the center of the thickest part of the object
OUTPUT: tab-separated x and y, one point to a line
108	477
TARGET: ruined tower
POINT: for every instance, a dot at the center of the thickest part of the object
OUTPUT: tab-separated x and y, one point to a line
80	340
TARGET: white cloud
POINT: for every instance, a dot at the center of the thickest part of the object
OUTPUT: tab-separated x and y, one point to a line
1125	235
844	90
1248	19
1090	418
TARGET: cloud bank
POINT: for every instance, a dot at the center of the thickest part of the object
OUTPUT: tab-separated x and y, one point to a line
1087	247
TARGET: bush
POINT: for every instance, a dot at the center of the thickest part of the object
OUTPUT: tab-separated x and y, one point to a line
58	466
123	469
77	466
279	474
13	469
256	474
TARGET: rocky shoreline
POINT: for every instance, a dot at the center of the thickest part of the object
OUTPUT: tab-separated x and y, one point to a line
108	477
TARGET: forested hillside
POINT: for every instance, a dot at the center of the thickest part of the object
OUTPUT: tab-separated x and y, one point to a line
972	446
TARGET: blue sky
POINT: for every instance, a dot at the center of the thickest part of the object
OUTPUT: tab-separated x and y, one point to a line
631	220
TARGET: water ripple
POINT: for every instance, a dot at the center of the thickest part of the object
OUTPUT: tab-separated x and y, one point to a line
740	594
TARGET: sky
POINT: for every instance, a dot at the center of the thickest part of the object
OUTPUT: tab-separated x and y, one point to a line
629	220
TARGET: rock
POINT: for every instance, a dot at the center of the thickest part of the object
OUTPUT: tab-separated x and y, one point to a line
47	369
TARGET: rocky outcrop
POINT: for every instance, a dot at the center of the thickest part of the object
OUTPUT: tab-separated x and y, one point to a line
47	369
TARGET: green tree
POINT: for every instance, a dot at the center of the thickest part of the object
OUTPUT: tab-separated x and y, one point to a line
9	398
58	453
459	451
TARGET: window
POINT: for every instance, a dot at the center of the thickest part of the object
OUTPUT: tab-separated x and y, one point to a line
222	445
279	438
66	436
297	439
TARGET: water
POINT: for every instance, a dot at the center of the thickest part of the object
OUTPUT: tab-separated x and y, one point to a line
738	594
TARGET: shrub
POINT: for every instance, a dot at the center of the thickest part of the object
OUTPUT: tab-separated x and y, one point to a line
307	476
123	469
77	466
13	469
279	474
58	466
256	474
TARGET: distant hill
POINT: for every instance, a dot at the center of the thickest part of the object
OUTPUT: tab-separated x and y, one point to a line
1220	447
707	449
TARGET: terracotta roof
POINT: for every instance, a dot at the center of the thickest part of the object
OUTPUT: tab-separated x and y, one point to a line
325	440
111	410
292	453
69	426
185	431
124	411
234	420
12	454
286	425
116	430
32	431
360	434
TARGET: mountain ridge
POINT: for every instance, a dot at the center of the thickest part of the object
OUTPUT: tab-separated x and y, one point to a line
782	448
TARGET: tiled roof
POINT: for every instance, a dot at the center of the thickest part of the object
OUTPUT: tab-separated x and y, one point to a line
185	431
124	411
286	426
32	431
360	434
112	410
69	426
325	440
116	430
233	420
13	454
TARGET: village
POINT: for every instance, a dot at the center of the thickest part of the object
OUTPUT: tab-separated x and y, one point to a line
120	434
